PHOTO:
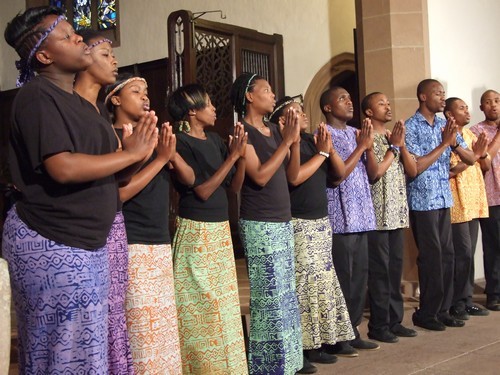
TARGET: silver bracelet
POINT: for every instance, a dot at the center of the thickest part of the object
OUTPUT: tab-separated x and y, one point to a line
325	154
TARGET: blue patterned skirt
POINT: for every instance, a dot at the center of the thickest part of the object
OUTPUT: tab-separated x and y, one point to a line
60	295
275	342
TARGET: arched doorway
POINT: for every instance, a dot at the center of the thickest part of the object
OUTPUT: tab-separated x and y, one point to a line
339	71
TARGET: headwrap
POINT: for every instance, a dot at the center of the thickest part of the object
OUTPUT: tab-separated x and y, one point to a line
122	85
26	72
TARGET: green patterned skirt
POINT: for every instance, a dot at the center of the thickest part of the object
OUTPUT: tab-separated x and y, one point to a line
323	311
206	291
275	342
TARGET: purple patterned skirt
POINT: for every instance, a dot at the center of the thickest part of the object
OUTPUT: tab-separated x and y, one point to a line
60	295
119	355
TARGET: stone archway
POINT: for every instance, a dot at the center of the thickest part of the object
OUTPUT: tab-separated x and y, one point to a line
339	71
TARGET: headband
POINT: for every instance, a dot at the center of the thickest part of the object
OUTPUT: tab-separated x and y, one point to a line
246	90
122	85
26	72
281	106
100	41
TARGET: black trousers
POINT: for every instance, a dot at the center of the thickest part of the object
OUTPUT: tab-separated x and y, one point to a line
350	258
435	261
490	229
385	269
464	242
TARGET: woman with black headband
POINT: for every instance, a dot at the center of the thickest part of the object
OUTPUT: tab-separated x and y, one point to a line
63	162
323	310
275	342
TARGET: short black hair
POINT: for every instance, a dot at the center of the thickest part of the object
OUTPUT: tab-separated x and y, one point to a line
486	93
279	108
89	34
243	84
186	98
366	102
423	85
327	96
449	103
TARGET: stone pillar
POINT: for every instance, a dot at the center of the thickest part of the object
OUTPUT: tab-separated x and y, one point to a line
393	57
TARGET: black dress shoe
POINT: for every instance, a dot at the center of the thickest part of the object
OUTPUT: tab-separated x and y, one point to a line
364	345
401	331
307	368
493	304
431	324
319	356
383	336
449	321
341	349
475	310
459	313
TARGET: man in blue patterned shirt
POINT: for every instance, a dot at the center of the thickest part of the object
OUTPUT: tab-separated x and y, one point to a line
431	139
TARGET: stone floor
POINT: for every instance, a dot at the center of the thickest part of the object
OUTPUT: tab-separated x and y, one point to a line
473	349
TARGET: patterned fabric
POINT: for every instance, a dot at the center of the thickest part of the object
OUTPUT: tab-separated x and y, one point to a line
206	291
275	342
323	311
492	177
467	188
389	193
350	205
120	358
5	330
60	295
151	312
430	190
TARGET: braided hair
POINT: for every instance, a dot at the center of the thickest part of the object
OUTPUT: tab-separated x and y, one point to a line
25	34
184	99
243	84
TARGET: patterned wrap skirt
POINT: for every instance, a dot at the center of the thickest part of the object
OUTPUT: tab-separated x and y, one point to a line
151	311
323	311
60	295
275	342
120	358
208	306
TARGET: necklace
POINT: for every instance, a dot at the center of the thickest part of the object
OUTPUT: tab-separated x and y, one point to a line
261	129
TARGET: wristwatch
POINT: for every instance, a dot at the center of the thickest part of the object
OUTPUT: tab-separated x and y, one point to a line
395	150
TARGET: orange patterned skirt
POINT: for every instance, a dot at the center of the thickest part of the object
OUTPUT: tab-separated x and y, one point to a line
151	311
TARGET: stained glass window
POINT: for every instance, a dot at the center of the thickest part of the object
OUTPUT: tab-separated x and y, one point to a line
82	14
99	15
58	3
106	12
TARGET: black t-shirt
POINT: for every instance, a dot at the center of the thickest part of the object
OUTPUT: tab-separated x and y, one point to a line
205	156
45	121
309	198
146	214
271	202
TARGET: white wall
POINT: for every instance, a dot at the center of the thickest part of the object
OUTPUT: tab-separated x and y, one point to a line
313	31
465	56
464	48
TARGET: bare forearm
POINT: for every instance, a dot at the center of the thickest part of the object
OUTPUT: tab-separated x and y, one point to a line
459	168
336	170
266	171
69	168
351	162
384	165
307	169
183	172
140	180
206	189
239	176
293	167
466	155
409	162
425	161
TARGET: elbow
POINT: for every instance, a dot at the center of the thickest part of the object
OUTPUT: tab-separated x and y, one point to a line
412	173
